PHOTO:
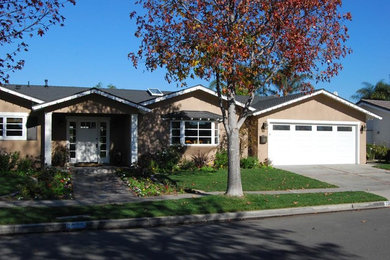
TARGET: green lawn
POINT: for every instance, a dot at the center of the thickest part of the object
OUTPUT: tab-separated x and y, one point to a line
203	205
8	183
385	166
262	179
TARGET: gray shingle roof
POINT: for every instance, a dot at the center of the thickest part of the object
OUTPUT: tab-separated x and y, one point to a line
378	103
189	115
51	93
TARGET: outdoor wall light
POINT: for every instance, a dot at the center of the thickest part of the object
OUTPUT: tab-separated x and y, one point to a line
363	128
264	126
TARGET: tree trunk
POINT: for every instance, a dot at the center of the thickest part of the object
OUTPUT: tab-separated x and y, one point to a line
234	173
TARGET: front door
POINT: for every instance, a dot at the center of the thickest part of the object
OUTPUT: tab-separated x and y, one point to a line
88	139
86	145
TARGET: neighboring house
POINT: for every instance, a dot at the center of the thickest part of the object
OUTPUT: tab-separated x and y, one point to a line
378	131
116	125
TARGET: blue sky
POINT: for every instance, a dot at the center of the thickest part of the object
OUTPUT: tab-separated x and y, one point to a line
93	45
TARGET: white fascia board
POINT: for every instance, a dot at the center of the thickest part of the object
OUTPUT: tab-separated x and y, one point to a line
15	93
189	90
89	92
315	94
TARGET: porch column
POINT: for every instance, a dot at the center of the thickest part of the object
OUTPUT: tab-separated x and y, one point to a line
134	138
47	139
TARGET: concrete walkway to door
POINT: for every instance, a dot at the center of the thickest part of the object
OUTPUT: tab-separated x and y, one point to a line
350	177
99	185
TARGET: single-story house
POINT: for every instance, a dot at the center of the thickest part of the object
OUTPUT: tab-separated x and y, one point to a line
116	126
378	131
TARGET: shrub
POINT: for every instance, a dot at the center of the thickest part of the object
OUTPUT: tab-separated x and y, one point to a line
187	165
207	169
60	156
249	163
25	165
200	159
376	152
267	163
49	183
162	161
8	161
221	159
153	185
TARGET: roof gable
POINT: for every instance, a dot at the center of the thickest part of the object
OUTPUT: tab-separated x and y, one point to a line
273	104
89	92
186	91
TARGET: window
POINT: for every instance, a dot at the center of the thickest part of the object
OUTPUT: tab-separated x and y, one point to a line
194	133
281	127
72	139
344	128
88	125
323	128
13	126
303	128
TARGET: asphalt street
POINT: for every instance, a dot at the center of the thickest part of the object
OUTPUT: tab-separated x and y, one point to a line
345	235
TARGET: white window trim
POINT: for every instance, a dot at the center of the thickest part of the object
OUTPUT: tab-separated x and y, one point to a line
6	115
182	133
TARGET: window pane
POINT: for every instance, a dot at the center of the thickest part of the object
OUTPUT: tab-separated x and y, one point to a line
103	147
175	140
72	154
216	141
204	132
203	140
12	127
191	125
72	147
175	132
344	128
205	125
1	120
103	154
175	124
14	133
303	127
324	128
191	133
103	139
14	120
281	127
191	140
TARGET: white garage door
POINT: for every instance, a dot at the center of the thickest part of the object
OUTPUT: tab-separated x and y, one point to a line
312	143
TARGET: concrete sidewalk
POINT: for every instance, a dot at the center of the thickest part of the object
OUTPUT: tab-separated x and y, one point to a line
134	199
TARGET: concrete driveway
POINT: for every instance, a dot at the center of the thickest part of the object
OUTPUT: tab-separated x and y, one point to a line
350	177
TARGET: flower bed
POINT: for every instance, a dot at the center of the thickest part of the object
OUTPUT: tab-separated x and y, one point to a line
144	186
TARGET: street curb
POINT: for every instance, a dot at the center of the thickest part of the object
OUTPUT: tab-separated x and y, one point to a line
187	219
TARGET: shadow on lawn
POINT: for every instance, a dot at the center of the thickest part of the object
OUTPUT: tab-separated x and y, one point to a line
247	240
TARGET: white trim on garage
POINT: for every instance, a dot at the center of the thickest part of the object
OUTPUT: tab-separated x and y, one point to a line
324	92
355	124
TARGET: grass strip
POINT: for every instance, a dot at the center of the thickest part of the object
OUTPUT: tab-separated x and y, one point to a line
264	179
385	166
203	205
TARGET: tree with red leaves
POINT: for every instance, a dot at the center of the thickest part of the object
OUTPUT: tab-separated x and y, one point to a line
19	18
241	44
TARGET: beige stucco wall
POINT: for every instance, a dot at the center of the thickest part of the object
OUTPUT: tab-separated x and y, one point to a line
10	103
154	132
320	107
379	130
92	104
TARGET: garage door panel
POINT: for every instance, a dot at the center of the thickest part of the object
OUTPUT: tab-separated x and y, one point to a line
318	146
